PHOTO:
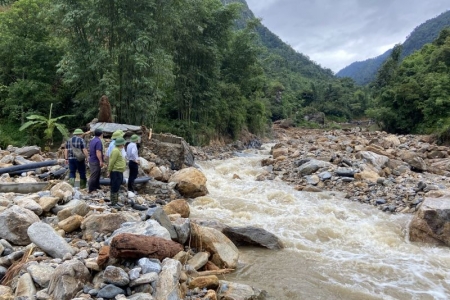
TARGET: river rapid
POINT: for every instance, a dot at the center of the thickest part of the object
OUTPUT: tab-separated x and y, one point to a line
334	248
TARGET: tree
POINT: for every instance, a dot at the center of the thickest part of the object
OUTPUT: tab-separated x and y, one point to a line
49	124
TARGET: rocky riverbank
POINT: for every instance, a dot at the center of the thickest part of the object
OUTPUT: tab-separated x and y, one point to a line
62	243
393	172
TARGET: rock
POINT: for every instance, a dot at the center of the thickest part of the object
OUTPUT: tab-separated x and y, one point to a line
6	293
41	274
140	296
376	160
116	276
30	204
345	172
145	278
63	191
147	228
183	229
110	291
74	207
157	173
25	288
224	252
46	238
47	203
414	160
367	175
71	223
431	224
208	282
312	166
199	260
167	285
146	165
103	256
173	149
190	182
179	206
148	265
127	245
14	223
276	153
253	236
28	152
237	291
68	279
158	214
105	223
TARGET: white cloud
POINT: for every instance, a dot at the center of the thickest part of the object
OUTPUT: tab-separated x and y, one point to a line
335	33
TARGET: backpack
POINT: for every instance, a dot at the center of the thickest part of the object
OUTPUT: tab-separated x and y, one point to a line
77	152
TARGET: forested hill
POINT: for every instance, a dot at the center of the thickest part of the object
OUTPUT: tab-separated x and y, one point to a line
364	72
295	61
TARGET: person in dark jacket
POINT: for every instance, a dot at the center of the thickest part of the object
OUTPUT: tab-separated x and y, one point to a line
74	164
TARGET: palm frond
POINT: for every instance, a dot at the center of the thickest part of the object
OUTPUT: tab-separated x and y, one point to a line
28	124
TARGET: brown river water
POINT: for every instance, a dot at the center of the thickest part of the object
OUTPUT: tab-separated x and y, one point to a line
335	248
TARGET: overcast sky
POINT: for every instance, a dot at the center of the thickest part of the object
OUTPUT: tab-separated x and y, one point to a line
335	33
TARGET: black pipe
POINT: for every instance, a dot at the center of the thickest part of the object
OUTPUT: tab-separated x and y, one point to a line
29	166
54	174
107	181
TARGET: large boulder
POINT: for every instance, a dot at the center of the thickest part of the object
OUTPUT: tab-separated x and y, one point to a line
431	224
106	223
224	253
190	182
253	236
172	148
414	160
14	223
179	206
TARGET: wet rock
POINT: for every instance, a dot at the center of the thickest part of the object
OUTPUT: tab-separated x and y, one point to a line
224	252
431	224
179	206
312	166
190	182
234	291
199	260
254	236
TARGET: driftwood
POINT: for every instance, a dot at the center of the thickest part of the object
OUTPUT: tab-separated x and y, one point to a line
127	245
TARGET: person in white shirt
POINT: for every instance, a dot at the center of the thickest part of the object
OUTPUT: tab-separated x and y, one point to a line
133	162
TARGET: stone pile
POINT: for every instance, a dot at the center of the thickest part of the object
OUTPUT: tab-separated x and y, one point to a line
63	243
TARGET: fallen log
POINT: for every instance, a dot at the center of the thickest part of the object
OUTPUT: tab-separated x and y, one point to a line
127	245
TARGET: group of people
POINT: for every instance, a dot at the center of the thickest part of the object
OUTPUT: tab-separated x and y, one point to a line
116	158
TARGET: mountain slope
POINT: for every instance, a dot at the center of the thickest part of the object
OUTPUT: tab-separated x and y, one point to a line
364	72
295	61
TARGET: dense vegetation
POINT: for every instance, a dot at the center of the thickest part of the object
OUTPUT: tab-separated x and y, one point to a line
413	95
364	72
202	69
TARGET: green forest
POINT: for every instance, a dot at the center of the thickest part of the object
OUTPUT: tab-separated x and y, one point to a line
201	69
